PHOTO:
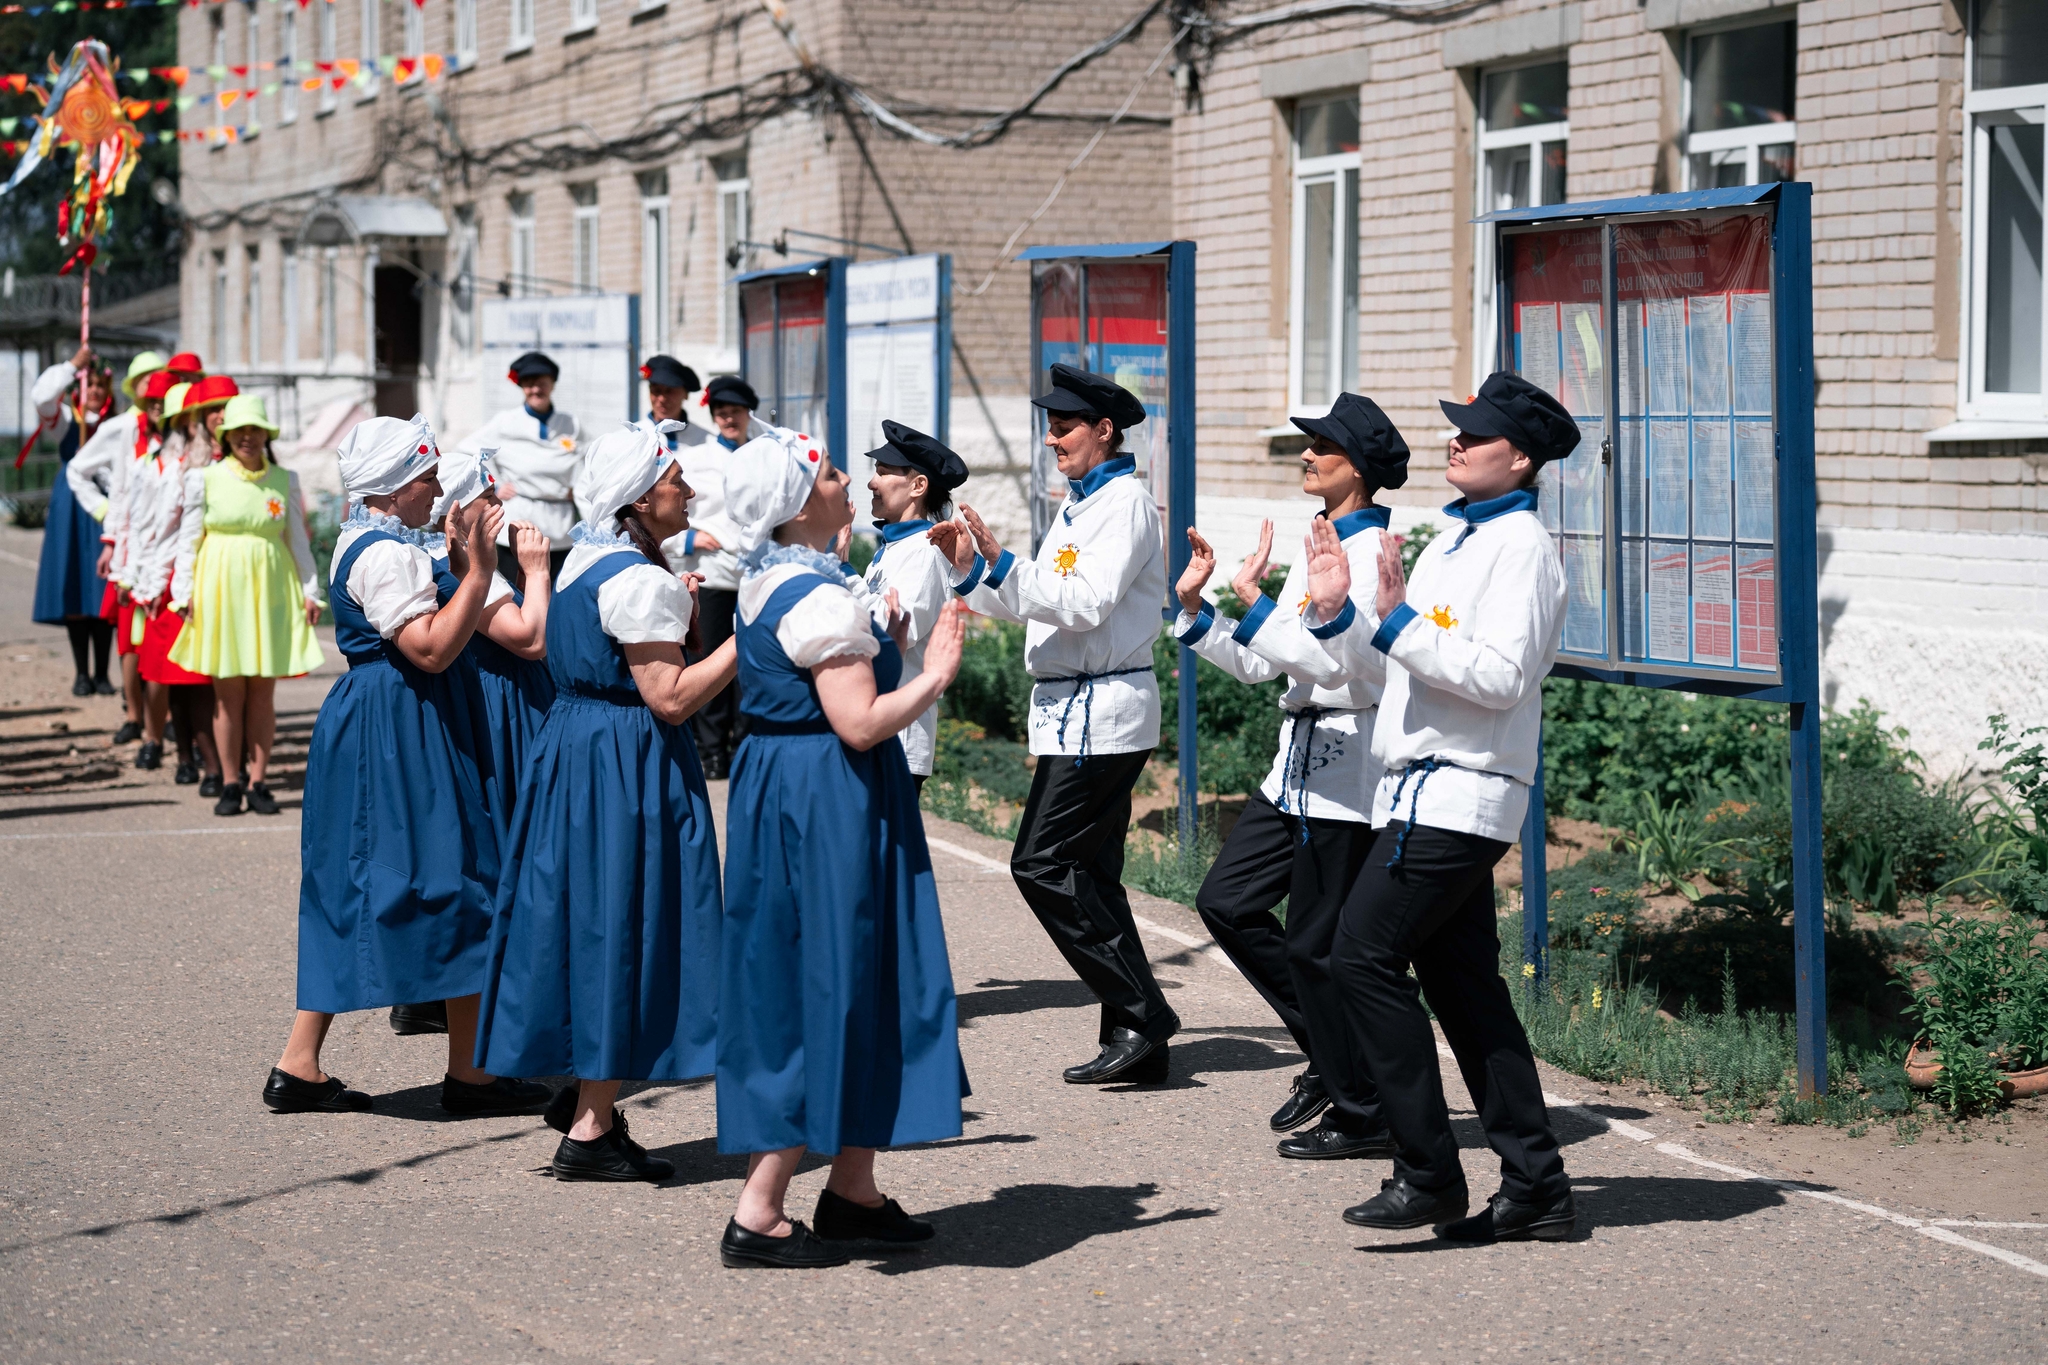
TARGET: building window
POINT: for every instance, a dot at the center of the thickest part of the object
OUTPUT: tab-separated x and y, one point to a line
462	282
415	42
654	302
1739	91
291	307
372	48
1524	114
734	256
520	36
252	304
465	33
2006	105
329	298
220	309
252	56
582	15
583	240
1323	313
521	242
329	51
288	66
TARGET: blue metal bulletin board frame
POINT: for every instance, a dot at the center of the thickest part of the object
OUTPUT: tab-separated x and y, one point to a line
1797	676
1180	421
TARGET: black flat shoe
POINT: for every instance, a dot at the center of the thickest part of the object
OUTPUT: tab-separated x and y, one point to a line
81	686
1400	1205
104	687
129	732
500	1095
187	774
842	1220
261	802
287	1094
801	1250
1306	1100
1505	1220
1125	1057
150	757
611	1155
209	786
429	1016
230	802
1324	1143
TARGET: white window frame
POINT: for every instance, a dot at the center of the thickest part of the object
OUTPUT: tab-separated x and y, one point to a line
1334	170
582	16
519	243
290	290
586	252
2025	103
330	301
288	66
252	56
519	26
372	49
220	310
329	49
1751	138
252	304
462	303
465	35
1485	326
654	272
740	193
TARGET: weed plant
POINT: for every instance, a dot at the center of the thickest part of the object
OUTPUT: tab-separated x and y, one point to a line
1163	867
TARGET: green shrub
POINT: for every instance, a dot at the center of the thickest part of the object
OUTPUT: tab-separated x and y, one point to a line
1983	985
2013	861
1884	834
1967	1082
992	694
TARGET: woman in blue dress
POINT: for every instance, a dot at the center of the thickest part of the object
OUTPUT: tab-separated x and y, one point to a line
603	959
837	1027
398	854
69	589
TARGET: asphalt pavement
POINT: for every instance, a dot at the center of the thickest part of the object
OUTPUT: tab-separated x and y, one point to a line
154	1210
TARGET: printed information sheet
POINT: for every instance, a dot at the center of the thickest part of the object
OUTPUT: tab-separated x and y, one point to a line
1713	607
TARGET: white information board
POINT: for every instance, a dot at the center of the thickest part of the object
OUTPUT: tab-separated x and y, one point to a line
893	310
593	337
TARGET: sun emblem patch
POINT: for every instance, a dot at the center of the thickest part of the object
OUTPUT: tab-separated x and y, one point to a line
274	507
1440	616
1301	607
1063	563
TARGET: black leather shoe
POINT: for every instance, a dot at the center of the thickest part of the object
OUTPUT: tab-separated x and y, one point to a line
209	786
1307	1099
611	1155
287	1094
842	1220
150	757
1505	1220
1324	1143
104	687
1125	1057
261	802
801	1250
1400	1205
230	802
81	686
429	1016
187	774
129	732
499	1095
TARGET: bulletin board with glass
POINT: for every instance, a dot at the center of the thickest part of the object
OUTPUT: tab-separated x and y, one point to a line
793	337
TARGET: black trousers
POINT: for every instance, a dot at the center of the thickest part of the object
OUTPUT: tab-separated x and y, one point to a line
717	724
1264	859
1069	863
1435	911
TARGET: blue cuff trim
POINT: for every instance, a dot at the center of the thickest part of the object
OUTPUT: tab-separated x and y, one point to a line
973	579
1340	624
1000	570
1253	619
1390	629
690	541
1204	619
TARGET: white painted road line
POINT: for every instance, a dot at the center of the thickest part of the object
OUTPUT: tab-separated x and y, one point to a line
12	558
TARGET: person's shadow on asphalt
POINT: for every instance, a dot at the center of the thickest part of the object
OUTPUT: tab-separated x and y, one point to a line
1021	1225
1632	1201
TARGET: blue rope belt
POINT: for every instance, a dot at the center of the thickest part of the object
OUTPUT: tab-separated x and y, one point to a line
1084	692
1425	767
1311	714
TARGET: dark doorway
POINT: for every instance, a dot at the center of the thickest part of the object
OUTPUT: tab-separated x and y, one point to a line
398	341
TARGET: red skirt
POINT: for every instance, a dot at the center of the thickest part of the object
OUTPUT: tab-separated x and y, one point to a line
157	638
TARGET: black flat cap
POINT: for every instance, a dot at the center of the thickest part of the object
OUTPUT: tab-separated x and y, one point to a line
1510	406
671	373
912	449
1077	393
730	388
533	363
1367	435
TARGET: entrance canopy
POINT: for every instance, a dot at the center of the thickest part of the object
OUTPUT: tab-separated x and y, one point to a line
349	218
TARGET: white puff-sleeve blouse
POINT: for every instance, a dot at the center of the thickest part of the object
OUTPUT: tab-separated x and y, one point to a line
644	605
831	622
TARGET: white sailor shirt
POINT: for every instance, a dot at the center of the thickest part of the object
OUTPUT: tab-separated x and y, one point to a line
537	461
702	456
923	579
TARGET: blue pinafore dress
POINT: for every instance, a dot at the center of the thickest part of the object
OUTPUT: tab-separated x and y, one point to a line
839	1026
604	947
67	583
517	693
398	853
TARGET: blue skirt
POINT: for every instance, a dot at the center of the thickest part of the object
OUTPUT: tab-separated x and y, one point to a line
398	854
604	949
65	582
517	695
839	1026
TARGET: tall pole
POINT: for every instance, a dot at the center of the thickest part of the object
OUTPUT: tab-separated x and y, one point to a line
1180	512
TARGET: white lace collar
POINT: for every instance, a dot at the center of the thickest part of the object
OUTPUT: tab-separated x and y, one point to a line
768	555
361	517
599	536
